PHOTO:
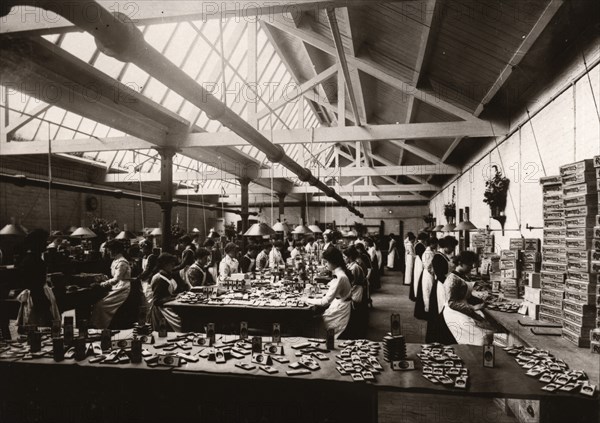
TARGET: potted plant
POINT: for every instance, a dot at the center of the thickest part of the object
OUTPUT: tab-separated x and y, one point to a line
450	208
496	190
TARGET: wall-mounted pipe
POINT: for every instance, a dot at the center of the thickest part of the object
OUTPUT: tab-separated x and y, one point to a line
21	180
117	36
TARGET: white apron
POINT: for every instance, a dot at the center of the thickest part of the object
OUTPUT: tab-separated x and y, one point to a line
409	262
465	329
418	271
428	278
157	313
105	309
337	315
391	258
27	312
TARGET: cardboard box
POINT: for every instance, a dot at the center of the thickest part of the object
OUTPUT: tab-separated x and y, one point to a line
581	309
557	277
576	168
579	243
555	286
554	250
580	297
509	254
554	214
551	302
582	200
516	243
596	161
510	274
554	267
580	221
574	339
581	211
531	256
550	318
588	187
580	286
533	295
551	295
578	178
555	223
579	233
552	196
551	180
575	255
555	242
531	244
555	232
583	276
531	266
551	311
550	259
587	319
574	328
508	264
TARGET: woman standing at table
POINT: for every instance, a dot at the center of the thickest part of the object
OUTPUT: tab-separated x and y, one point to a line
229	264
338	298
164	289
418	266
119	286
357	326
392	253
462	312
427	277
276	255
409	259
441	264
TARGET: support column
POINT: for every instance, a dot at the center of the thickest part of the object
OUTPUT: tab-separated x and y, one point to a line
281	196
244	182
166	194
303	212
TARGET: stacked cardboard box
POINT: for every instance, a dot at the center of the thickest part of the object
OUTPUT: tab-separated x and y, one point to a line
510	269
580	197
531	262
482	243
595	335
554	251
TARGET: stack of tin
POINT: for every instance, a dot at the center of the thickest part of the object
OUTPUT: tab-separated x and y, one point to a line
580	198
554	251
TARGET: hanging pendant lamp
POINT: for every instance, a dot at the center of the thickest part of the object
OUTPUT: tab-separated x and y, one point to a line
259	229
13	229
281	227
466	224
302	229
83	233
125	234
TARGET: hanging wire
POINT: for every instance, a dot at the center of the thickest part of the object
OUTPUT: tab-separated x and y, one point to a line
537	146
49	180
187	208
272	165
203	213
574	122
587	72
141	196
512	203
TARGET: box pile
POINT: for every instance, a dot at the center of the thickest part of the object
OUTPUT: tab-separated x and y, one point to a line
580	198
554	251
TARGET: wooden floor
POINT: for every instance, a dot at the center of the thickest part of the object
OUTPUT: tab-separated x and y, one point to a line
418	408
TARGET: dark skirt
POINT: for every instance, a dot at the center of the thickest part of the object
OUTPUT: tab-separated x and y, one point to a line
437	329
420	312
411	292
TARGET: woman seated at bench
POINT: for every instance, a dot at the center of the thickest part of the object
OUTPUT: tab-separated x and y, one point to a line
164	289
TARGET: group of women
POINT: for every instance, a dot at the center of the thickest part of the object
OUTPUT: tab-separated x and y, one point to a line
441	288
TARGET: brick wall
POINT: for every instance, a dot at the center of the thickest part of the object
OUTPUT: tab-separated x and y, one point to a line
567	130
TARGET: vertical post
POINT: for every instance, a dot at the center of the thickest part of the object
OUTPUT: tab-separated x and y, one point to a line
303	211
252	71
341	98
281	196
166	194
244	182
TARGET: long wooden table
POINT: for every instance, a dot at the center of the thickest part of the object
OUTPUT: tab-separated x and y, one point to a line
293	320
206	391
578	358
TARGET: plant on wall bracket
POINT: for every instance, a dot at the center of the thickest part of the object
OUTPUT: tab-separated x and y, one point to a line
496	190
450	208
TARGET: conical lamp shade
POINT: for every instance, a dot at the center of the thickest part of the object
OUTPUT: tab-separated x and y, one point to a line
12	229
195	230
281	227
438	228
259	229
450	227
466	225
126	235
83	233
302	230
315	229
352	232
156	232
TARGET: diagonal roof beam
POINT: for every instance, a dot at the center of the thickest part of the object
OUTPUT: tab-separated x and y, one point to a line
299	91
374	69
527	43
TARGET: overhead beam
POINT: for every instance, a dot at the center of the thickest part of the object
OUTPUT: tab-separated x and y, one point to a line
234	200
374	69
312	190
323	135
417	151
29	21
